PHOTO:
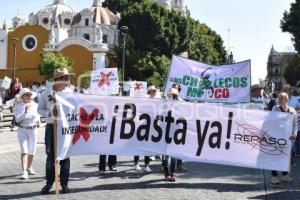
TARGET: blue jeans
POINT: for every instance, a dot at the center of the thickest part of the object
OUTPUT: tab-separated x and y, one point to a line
64	164
169	165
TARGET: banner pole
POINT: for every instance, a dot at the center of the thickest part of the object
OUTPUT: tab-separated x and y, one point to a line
55	150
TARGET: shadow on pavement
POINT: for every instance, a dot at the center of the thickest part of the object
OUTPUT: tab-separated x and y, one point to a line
290	195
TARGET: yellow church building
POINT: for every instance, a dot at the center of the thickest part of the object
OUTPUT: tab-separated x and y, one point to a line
87	38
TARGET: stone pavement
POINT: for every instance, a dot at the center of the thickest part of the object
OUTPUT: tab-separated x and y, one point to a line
202	181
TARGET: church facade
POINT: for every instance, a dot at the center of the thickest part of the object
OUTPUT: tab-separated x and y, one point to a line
86	37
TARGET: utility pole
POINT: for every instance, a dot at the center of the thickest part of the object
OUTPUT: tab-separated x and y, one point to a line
15	40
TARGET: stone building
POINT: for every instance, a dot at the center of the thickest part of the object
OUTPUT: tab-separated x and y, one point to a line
277	62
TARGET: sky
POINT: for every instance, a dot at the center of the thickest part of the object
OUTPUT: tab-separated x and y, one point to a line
248	28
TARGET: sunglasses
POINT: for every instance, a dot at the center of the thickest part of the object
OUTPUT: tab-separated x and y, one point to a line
27	94
62	78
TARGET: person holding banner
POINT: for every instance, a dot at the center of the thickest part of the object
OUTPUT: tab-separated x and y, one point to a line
294	103
112	162
28	119
169	163
45	108
283	99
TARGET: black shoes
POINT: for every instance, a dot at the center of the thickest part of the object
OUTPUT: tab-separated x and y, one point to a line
46	189
65	189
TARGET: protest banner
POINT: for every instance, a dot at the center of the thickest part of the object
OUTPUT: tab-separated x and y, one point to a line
104	81
115	125
6	82
203	82
138	88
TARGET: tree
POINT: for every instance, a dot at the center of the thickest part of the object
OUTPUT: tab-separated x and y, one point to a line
155	34
291	23
292	71
50	61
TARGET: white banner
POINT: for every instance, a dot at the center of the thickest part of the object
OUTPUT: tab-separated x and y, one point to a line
104	81
6	82
115	125
138	89
203	82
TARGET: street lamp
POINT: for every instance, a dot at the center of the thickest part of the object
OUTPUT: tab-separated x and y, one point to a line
124	30
15	40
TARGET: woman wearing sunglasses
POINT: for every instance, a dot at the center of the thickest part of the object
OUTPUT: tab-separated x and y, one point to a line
28	119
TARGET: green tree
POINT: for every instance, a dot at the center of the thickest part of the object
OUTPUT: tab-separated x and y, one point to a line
291	23
155	34
292	71
50	61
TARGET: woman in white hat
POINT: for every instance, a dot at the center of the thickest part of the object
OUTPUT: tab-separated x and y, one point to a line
28	119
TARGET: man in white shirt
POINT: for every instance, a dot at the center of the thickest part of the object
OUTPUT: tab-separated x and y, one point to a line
45	109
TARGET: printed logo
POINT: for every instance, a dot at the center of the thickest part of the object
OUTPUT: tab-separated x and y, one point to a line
138	86
260	140
85	121
104	79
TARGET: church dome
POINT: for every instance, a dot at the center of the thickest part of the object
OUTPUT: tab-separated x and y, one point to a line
100	15
58	13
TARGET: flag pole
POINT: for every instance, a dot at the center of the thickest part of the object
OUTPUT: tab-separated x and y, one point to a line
55	149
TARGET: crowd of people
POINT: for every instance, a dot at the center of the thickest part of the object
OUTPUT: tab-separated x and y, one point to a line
37	101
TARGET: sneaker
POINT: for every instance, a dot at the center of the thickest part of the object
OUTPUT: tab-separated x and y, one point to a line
275	180
31	171
147	169
113	168
181	169
152	158
137	168
25	175
287	178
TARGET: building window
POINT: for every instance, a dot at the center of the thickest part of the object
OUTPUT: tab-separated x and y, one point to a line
67	21
29	43
86	22
86	36
104	38
45	21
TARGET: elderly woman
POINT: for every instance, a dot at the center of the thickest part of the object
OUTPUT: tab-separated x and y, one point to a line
28	119
283	99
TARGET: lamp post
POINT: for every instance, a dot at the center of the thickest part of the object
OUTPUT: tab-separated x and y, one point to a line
124	30
15	40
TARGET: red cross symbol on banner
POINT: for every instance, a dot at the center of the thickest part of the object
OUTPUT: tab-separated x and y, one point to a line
85	121
104	79
138	86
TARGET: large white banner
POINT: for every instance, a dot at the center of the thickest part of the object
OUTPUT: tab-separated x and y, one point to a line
203	82
104	81
91	124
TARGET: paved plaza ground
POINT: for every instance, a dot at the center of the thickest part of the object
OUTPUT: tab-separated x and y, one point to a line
202	181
